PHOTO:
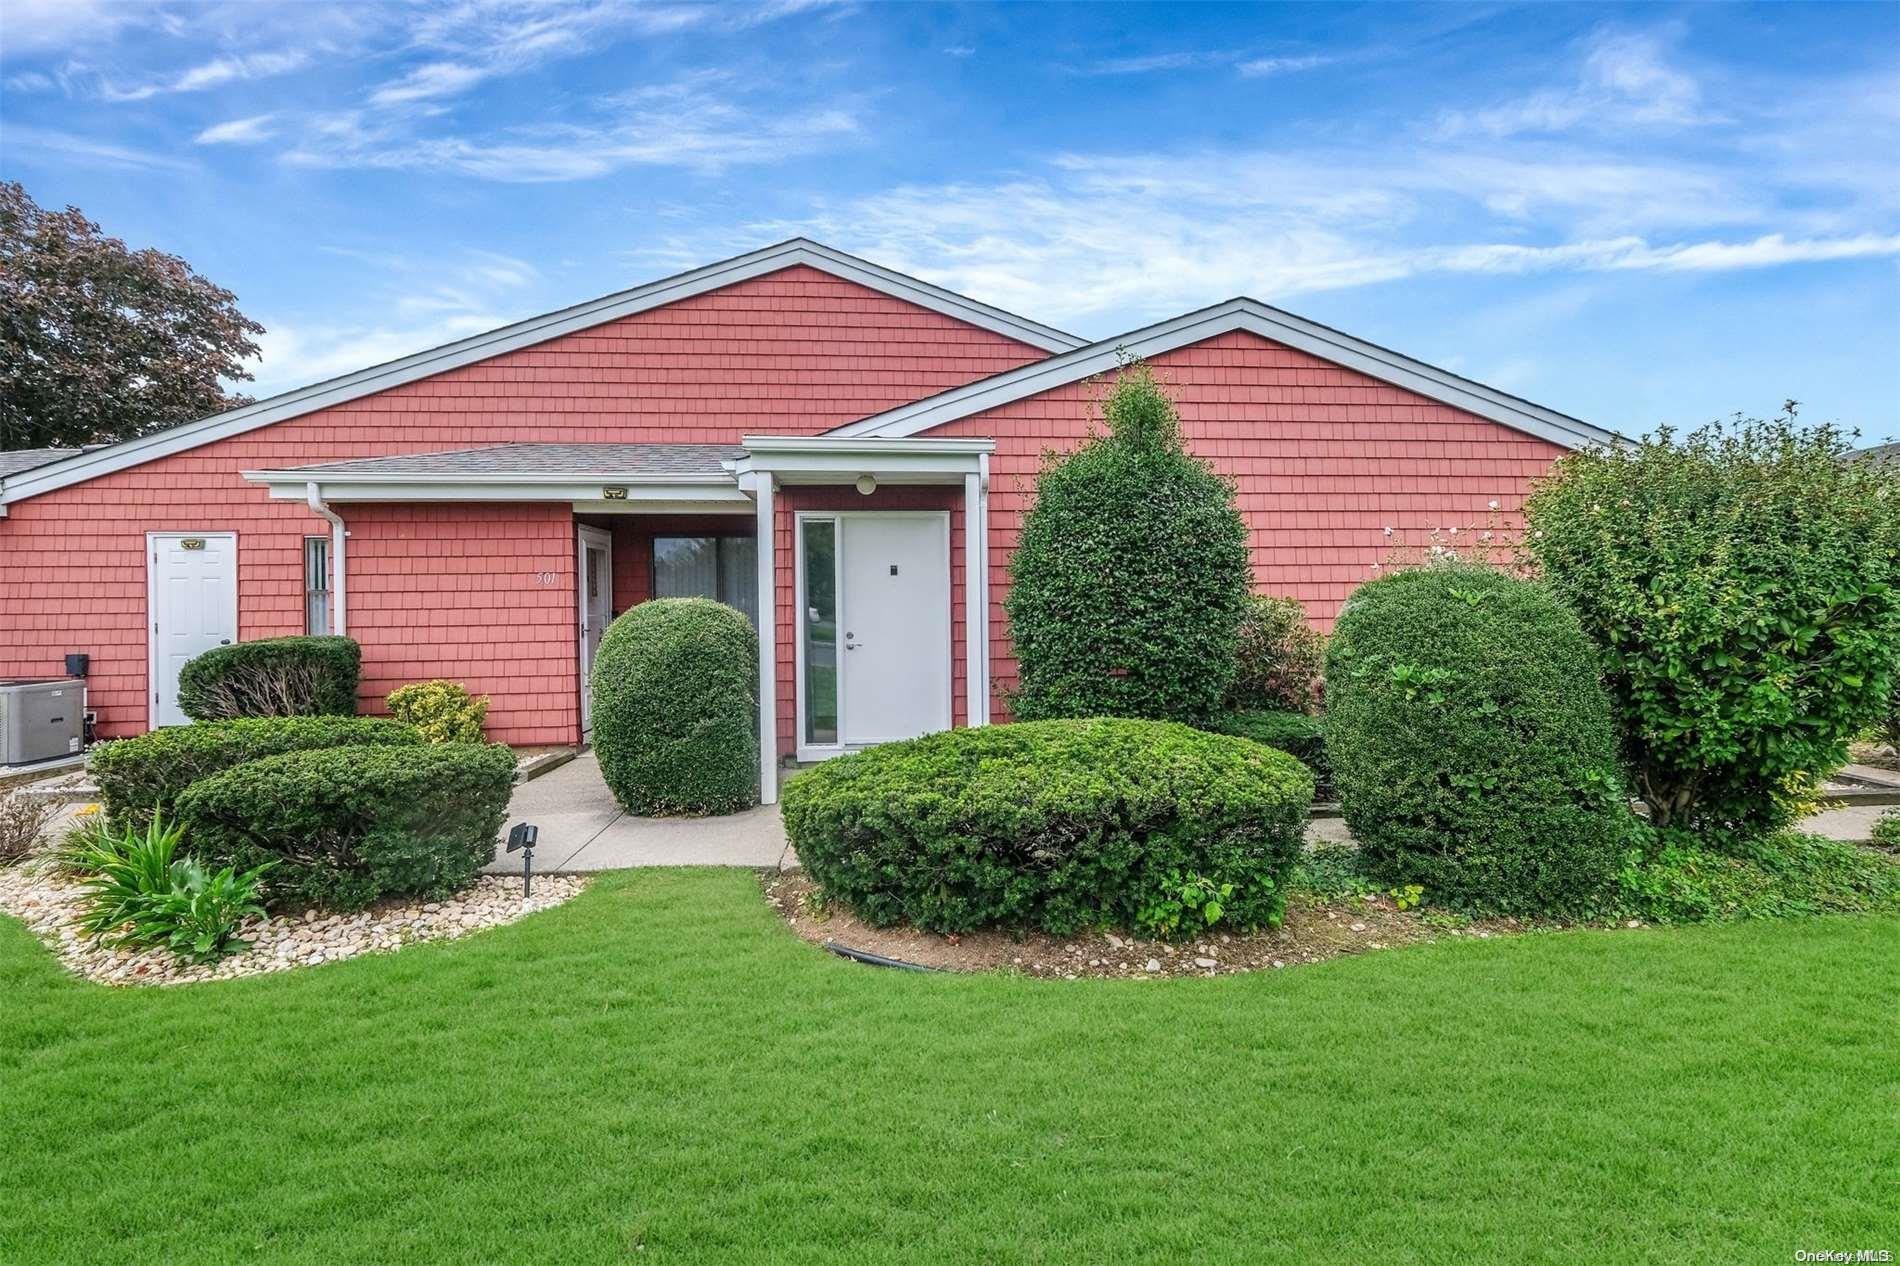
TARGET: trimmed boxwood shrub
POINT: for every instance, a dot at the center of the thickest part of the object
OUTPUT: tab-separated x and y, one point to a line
139	775
1127	589
1300	736
676	708
349	825
1058	825
274	677
1472	746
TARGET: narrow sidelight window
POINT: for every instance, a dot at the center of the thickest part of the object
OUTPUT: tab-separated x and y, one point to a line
316	585
820	538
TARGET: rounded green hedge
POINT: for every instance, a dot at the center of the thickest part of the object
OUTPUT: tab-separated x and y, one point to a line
1058	825
1300	736
137	776
676	708
272	677
1471	744
349	825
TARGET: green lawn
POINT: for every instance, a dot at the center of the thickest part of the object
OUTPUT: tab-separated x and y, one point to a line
659	1072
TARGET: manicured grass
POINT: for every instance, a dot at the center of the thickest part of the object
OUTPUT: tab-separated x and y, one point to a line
660	1072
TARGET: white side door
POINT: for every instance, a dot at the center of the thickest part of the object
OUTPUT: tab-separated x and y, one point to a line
191	595
596	609
894	609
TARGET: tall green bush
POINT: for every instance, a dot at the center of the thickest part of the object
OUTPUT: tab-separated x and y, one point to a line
140	776
676	708
1058	825
1127	587
1280	658
272	677
1472	747
1740	585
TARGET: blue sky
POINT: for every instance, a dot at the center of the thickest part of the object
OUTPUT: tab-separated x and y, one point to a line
1635	215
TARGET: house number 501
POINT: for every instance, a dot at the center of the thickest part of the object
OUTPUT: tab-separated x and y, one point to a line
547	578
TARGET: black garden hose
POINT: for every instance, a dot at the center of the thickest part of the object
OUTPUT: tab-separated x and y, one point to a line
875	960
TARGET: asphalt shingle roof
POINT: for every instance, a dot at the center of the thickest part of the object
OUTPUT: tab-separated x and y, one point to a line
1883	454
16	460
546	459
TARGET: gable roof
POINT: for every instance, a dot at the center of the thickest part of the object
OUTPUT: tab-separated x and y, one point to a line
1253	317
93	463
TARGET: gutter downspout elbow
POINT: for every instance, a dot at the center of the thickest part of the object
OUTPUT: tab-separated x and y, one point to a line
338	534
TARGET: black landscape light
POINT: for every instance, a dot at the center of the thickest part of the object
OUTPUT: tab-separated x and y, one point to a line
522	838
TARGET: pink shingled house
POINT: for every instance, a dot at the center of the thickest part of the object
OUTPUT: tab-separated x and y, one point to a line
843	452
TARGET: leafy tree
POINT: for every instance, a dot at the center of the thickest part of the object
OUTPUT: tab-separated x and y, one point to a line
1740	584
98	342
1128	585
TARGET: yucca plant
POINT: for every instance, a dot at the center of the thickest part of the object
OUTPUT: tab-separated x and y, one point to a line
139	892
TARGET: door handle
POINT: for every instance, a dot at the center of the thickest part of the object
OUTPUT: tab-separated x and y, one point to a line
224	641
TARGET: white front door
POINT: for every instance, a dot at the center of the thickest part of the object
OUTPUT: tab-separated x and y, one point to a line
191	591
893	626
596	609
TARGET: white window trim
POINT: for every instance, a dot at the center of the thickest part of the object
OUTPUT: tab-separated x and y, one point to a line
151	609
825	751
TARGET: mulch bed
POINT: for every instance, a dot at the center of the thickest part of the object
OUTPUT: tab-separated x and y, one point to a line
1314	931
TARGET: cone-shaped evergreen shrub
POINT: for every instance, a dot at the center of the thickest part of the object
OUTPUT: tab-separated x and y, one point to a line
1128	584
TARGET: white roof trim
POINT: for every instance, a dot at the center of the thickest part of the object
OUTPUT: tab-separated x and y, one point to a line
1194	327
103	461
821	459
711	491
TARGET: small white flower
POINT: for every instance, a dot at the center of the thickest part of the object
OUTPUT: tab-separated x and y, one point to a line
1388	530
1375	567
1454	531
1491	504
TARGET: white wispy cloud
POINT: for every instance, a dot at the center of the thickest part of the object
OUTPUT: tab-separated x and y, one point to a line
214	73
1626	80
434	79
1265	67
259	127
706	121
61	147
419	302
32	27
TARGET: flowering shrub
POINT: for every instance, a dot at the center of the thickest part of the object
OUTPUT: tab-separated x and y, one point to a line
1279	660
1471	747
1740	586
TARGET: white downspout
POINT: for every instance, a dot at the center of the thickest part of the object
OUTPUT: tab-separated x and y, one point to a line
338	534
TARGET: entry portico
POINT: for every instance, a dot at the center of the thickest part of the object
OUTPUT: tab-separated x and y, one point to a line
855	544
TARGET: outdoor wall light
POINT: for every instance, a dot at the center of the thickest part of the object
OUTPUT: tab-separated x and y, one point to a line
521	839
867	484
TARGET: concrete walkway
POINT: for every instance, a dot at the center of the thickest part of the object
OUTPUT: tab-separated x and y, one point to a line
583	829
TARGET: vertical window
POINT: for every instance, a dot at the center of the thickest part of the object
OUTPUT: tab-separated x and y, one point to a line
316	585
820	538
723	568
